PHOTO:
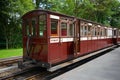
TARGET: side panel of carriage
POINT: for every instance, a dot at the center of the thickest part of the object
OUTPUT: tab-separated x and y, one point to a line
63	38
94	37
115	36
118	37
35	36
110	41
52	38
49	37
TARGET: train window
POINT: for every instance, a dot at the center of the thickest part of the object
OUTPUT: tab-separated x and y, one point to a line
34	26
114	32
54	27
26	27
63	29
109	32
96	31
89	31
93	31
81	30
42	25
85	30
105	32
71	30
102	32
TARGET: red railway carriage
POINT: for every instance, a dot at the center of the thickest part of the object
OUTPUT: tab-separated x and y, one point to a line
115	35
118	36
50	38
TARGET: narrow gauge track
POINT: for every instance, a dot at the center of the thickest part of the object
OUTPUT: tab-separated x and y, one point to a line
21	74
11	60
38	73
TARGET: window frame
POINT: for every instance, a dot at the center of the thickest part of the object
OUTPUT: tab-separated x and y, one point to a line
33	28
84	26
26	29
71	30
93	30
57	34
45	25
89	33
64	21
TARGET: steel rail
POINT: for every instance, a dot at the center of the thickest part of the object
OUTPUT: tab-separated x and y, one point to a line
10	60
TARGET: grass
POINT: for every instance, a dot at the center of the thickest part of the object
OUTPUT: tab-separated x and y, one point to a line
10	53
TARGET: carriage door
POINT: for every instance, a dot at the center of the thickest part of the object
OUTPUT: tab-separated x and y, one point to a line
115	36
76	38
64	38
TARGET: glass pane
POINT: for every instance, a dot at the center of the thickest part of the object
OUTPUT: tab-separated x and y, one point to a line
114	32
54	24
105	32
85	30
42	28
71	30
42	25
33	27
63	29
98	30
93	31
89	31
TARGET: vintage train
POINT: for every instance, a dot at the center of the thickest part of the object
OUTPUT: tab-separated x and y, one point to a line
51	38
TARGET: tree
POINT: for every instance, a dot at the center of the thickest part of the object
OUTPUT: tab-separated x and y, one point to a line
10	25
42	4
115	18
100	11
69	7
4	20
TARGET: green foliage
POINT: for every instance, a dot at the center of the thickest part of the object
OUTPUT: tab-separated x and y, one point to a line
101	11
69	7
115	18
42	4
10	22
24	6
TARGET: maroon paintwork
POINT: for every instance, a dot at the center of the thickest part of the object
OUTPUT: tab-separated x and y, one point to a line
43	50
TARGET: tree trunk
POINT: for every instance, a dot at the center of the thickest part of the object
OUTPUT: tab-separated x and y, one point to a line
6	43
